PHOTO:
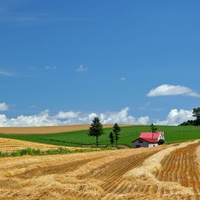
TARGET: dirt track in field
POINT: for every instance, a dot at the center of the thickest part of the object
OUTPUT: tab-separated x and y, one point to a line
164	172
49	129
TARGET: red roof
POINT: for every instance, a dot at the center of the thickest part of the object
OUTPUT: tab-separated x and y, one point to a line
147	140
150	135
150	140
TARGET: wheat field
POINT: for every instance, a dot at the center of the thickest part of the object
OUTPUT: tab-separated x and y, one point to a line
42	129
164	172
9	145
50	129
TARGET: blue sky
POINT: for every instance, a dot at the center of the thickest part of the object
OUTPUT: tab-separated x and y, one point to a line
67	61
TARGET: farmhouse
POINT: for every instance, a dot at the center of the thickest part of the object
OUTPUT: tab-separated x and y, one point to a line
148	139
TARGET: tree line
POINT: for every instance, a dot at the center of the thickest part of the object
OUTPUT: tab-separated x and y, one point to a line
195	122
96	130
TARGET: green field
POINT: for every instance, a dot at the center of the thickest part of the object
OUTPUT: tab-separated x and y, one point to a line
127	135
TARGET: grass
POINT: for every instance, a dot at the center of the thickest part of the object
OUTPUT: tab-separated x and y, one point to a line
127	135
34	152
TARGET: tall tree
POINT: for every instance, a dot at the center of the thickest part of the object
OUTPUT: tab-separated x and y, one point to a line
196	113
153	128
96	129
116	130
112	138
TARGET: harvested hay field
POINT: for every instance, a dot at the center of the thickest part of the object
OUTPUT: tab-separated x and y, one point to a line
164	172
9	145
49	129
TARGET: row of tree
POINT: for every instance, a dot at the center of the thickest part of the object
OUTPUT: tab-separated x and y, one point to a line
195	122
96	130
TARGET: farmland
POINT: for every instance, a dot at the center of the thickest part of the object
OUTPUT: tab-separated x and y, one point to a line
77	136
164	172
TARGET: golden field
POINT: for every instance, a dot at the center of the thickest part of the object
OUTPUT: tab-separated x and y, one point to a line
42	129
164	172
8	145
50	129
161	173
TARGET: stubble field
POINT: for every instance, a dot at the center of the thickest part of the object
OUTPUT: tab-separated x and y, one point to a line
164	172
49	129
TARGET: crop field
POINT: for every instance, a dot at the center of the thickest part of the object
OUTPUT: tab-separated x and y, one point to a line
47	129
77	135
10	145
164	172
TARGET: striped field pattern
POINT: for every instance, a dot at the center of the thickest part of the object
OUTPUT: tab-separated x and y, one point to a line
164	172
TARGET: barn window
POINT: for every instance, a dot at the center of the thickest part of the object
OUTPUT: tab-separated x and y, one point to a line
140	140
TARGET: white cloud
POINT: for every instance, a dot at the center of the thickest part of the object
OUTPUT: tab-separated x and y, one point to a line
121	117
123	78
51	67
5	73
3	107
165	90
145	106
42	119
81	69
66	115
143	120
176	117
3	119
70	117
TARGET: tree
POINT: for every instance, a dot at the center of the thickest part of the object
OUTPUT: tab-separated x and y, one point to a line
116	130
196	122
196	113
153	128
96	129
112	138
161	141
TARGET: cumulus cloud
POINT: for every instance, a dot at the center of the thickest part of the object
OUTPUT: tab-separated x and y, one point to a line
165	90
121	117
44	118
81	69
176	117
3	106
3	119
66	115
68	118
